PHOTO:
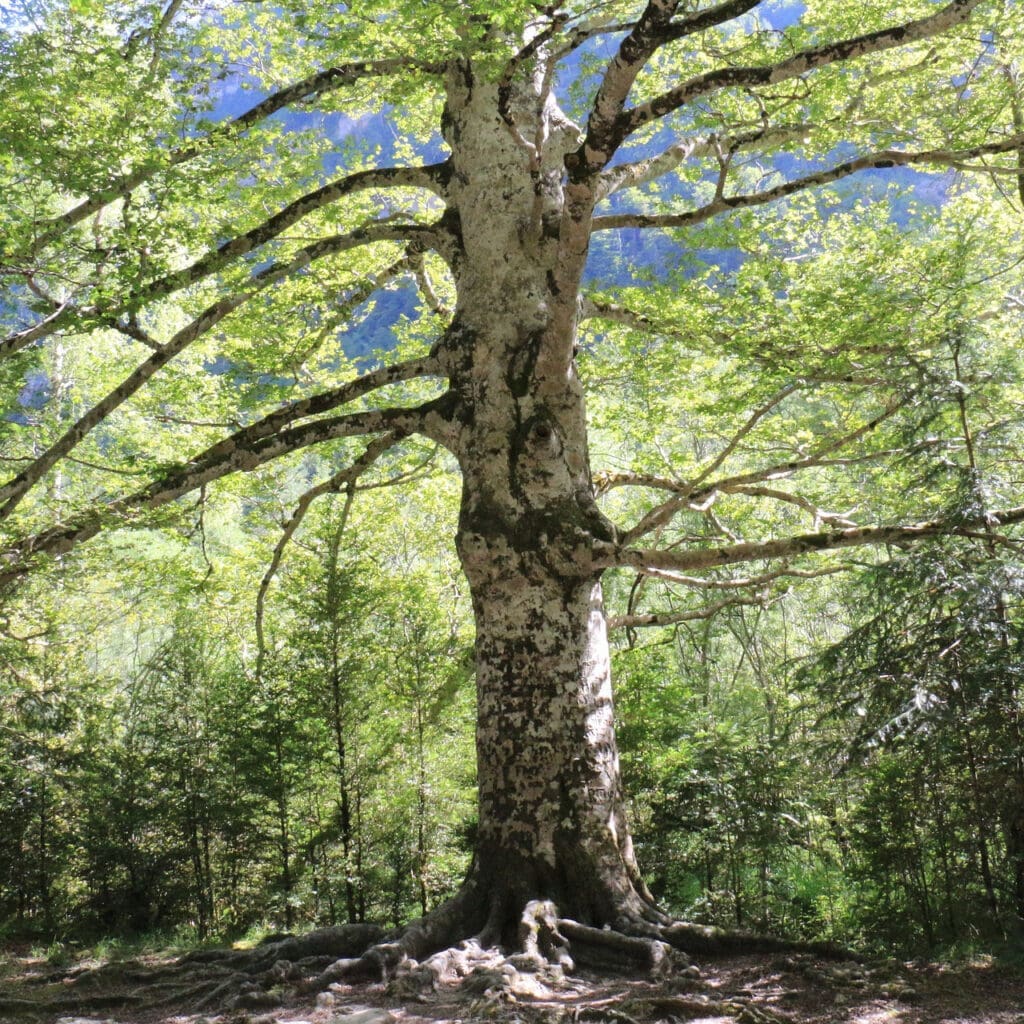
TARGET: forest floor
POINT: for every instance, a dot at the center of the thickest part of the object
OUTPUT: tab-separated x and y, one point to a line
752	989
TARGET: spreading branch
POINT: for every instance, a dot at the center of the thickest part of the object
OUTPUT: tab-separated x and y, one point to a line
604	482
644	619
322	82
427	289
641	172
599	309
883	159
690	493
603	133
751	422
807	543
1013	78
743	582
230	251
710	17
344	306
591	308
607	125
15	489
819	515
591	29
532	50
598	147
235	454
799	64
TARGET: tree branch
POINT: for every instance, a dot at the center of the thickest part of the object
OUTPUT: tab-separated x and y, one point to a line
604	129
427	289
22	339
690	25
819	515
598	146
952	14
742	582
131	328
791	547
605	482
1013	78
584	32
672	618
752	421
598	309
235	454
689	493
700	21
883	159
152	35
228	252
607	125
345	478
17	487
314	405
640	172
531	50
315	85
349	301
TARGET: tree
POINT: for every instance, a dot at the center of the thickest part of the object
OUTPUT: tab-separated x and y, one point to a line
931	683
228	251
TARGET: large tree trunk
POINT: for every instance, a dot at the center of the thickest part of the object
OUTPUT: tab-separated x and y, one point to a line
551	818
550	804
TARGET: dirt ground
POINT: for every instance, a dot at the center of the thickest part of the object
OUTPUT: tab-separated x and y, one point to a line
755	989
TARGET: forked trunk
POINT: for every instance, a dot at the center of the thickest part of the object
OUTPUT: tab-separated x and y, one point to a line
551	818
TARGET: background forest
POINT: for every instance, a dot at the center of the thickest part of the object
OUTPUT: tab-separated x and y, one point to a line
254	709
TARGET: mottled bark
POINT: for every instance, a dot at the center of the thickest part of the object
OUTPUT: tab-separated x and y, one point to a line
551	809
551	818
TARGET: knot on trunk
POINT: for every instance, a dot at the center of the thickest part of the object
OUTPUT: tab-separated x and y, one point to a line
541	475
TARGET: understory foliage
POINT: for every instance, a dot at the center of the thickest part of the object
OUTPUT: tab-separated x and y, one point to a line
869	791
162	776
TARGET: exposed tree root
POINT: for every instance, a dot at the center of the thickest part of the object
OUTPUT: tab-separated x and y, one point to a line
606	950
678	1008
452	949
707	939
342	941
683	1008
